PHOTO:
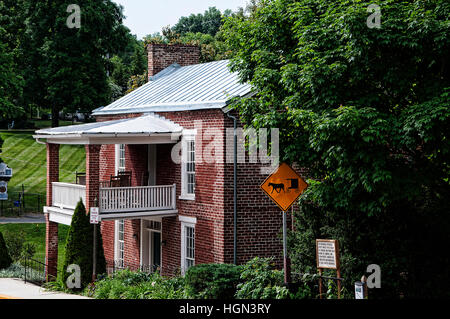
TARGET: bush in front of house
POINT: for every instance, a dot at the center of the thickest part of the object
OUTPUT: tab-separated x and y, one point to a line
212	281
17	247
260	280
126	284
79	247
5	259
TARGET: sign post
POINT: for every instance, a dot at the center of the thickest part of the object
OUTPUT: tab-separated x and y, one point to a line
327	256
94	218
284	186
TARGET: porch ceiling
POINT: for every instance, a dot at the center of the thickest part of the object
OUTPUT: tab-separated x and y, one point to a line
147	129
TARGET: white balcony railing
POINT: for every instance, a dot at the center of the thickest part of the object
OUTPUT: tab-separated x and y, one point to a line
65	195
137	199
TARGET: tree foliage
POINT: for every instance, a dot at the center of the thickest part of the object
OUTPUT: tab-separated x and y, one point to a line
5	259
79	247
207	23
366	112
10	84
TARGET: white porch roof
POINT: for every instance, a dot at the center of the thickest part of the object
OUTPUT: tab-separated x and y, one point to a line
146	129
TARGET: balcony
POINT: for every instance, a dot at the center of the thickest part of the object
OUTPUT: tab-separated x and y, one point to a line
114	202
137	201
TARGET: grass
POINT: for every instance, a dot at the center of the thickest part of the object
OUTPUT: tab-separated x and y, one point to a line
28	158
48	123
35	233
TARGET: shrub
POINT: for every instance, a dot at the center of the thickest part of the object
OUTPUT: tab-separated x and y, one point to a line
79	247
261	281
126	284
14	241
212	281
5	259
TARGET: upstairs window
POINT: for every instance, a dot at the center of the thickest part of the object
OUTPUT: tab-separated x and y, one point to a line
188	168
121	158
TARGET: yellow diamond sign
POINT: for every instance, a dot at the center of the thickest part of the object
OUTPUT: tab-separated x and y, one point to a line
284	186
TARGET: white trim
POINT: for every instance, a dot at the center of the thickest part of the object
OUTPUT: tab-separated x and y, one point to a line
108	139
140	215
187	219
186	138
116	158
116	239
189	132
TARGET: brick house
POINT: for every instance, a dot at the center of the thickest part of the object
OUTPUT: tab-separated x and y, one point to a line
156	167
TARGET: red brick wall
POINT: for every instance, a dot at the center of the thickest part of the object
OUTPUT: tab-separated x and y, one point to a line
259	220
160	56
52	169
136	159
51	249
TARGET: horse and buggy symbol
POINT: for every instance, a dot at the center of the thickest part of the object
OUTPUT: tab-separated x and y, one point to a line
278	187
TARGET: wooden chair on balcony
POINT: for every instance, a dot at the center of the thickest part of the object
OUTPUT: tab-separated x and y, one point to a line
125	178
115	181
80	178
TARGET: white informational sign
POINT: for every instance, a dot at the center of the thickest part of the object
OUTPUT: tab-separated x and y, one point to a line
3	190
327	254
94	215
359	290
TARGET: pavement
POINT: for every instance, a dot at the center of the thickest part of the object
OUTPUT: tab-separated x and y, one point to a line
11	288
25	219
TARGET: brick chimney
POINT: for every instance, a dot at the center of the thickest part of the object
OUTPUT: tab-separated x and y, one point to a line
160	56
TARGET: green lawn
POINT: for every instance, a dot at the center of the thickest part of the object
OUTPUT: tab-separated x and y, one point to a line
35	233
48	123
27	158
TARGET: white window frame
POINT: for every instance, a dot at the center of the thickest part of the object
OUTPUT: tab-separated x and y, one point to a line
119	167
186	139
186	222
120	161
117	256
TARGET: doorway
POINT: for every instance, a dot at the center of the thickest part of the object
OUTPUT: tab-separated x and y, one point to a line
155	249
151	244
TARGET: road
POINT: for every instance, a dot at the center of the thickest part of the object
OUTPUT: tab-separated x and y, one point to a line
17	289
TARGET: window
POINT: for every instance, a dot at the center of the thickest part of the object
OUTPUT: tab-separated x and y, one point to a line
120	158
190	247
187	242
188	168
120	243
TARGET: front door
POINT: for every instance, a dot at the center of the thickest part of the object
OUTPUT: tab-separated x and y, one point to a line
154	249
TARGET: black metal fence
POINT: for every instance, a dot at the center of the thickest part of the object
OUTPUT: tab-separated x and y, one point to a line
22	202
34	270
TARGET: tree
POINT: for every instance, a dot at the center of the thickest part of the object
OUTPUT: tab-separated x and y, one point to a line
139	60
207	23
79	247
120	73
10	86
72	60
366	112
5	259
